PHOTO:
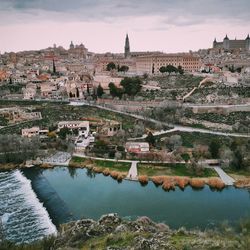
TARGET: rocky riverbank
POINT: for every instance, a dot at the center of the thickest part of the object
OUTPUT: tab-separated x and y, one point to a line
114	233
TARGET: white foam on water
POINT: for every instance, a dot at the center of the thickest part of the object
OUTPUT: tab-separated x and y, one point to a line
5	217
23	216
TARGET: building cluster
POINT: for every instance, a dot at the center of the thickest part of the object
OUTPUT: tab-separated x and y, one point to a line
58	73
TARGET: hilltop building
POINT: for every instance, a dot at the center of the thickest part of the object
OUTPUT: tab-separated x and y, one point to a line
228	44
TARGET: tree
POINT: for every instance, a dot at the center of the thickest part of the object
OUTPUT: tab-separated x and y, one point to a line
88	91
214	148
63	133
180	70
175	141
226	156
185	157
99	91
150	139
162	69
170	69
114	91
131	85
77	92
238	161
111	66
123	68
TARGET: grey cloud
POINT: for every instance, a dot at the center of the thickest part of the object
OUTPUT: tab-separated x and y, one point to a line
173	12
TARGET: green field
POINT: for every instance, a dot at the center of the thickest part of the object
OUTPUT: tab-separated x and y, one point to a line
111	165
172	169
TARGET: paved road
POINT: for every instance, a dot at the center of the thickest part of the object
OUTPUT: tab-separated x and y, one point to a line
216	105
175	127
228	180
132	173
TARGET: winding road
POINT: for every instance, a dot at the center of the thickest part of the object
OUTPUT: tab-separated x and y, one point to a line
174	126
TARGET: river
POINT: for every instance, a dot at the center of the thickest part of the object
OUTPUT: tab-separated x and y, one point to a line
63	194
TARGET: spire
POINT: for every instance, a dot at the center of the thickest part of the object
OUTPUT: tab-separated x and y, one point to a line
226	38
215	40
71	46
127	47
248	38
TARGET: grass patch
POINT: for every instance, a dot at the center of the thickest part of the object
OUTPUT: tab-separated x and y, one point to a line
172	169
243	172
110	165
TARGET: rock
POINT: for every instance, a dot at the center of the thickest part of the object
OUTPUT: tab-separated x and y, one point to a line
110	219
163	227
121	228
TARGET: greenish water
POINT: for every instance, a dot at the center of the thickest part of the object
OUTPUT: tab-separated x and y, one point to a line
86	195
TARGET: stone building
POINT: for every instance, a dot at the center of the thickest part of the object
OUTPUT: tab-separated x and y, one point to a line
29	91
152	63
228	44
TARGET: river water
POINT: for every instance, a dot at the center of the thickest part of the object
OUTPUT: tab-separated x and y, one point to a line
58	195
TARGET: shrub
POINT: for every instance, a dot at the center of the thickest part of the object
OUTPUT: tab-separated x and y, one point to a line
143	179
114	174
216	183
168	184
120	177
158	180
182	182
97	170
106	172
197	183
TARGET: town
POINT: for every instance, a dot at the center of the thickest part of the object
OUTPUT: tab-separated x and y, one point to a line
147	114
124	125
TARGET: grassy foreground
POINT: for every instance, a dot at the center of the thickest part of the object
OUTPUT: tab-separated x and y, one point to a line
113	232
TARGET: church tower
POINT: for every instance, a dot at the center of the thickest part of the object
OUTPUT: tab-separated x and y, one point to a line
214	43
71	46
248	43
127	47
226	43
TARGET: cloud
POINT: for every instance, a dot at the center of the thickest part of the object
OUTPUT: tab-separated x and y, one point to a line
176	13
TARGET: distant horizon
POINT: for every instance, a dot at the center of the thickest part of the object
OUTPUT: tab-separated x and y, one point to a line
101	25
66	47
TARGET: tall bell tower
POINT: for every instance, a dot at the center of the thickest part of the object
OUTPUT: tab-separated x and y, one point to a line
127	47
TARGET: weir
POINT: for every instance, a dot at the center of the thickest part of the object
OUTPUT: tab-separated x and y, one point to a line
56	207
23	217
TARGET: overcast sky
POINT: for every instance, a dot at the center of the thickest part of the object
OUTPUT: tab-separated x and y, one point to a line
101	25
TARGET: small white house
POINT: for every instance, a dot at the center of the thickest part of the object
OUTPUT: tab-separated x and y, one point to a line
82	126
137	147
30	132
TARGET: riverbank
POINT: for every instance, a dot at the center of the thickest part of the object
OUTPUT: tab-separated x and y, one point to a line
113	232
9	166
119	171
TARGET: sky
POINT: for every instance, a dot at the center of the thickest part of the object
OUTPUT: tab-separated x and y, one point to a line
101	25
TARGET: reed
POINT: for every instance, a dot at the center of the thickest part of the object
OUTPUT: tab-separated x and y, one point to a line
106	172
97	170
168	183
120	177
114	174
182	182
143	179
197	183
216	183
157	180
